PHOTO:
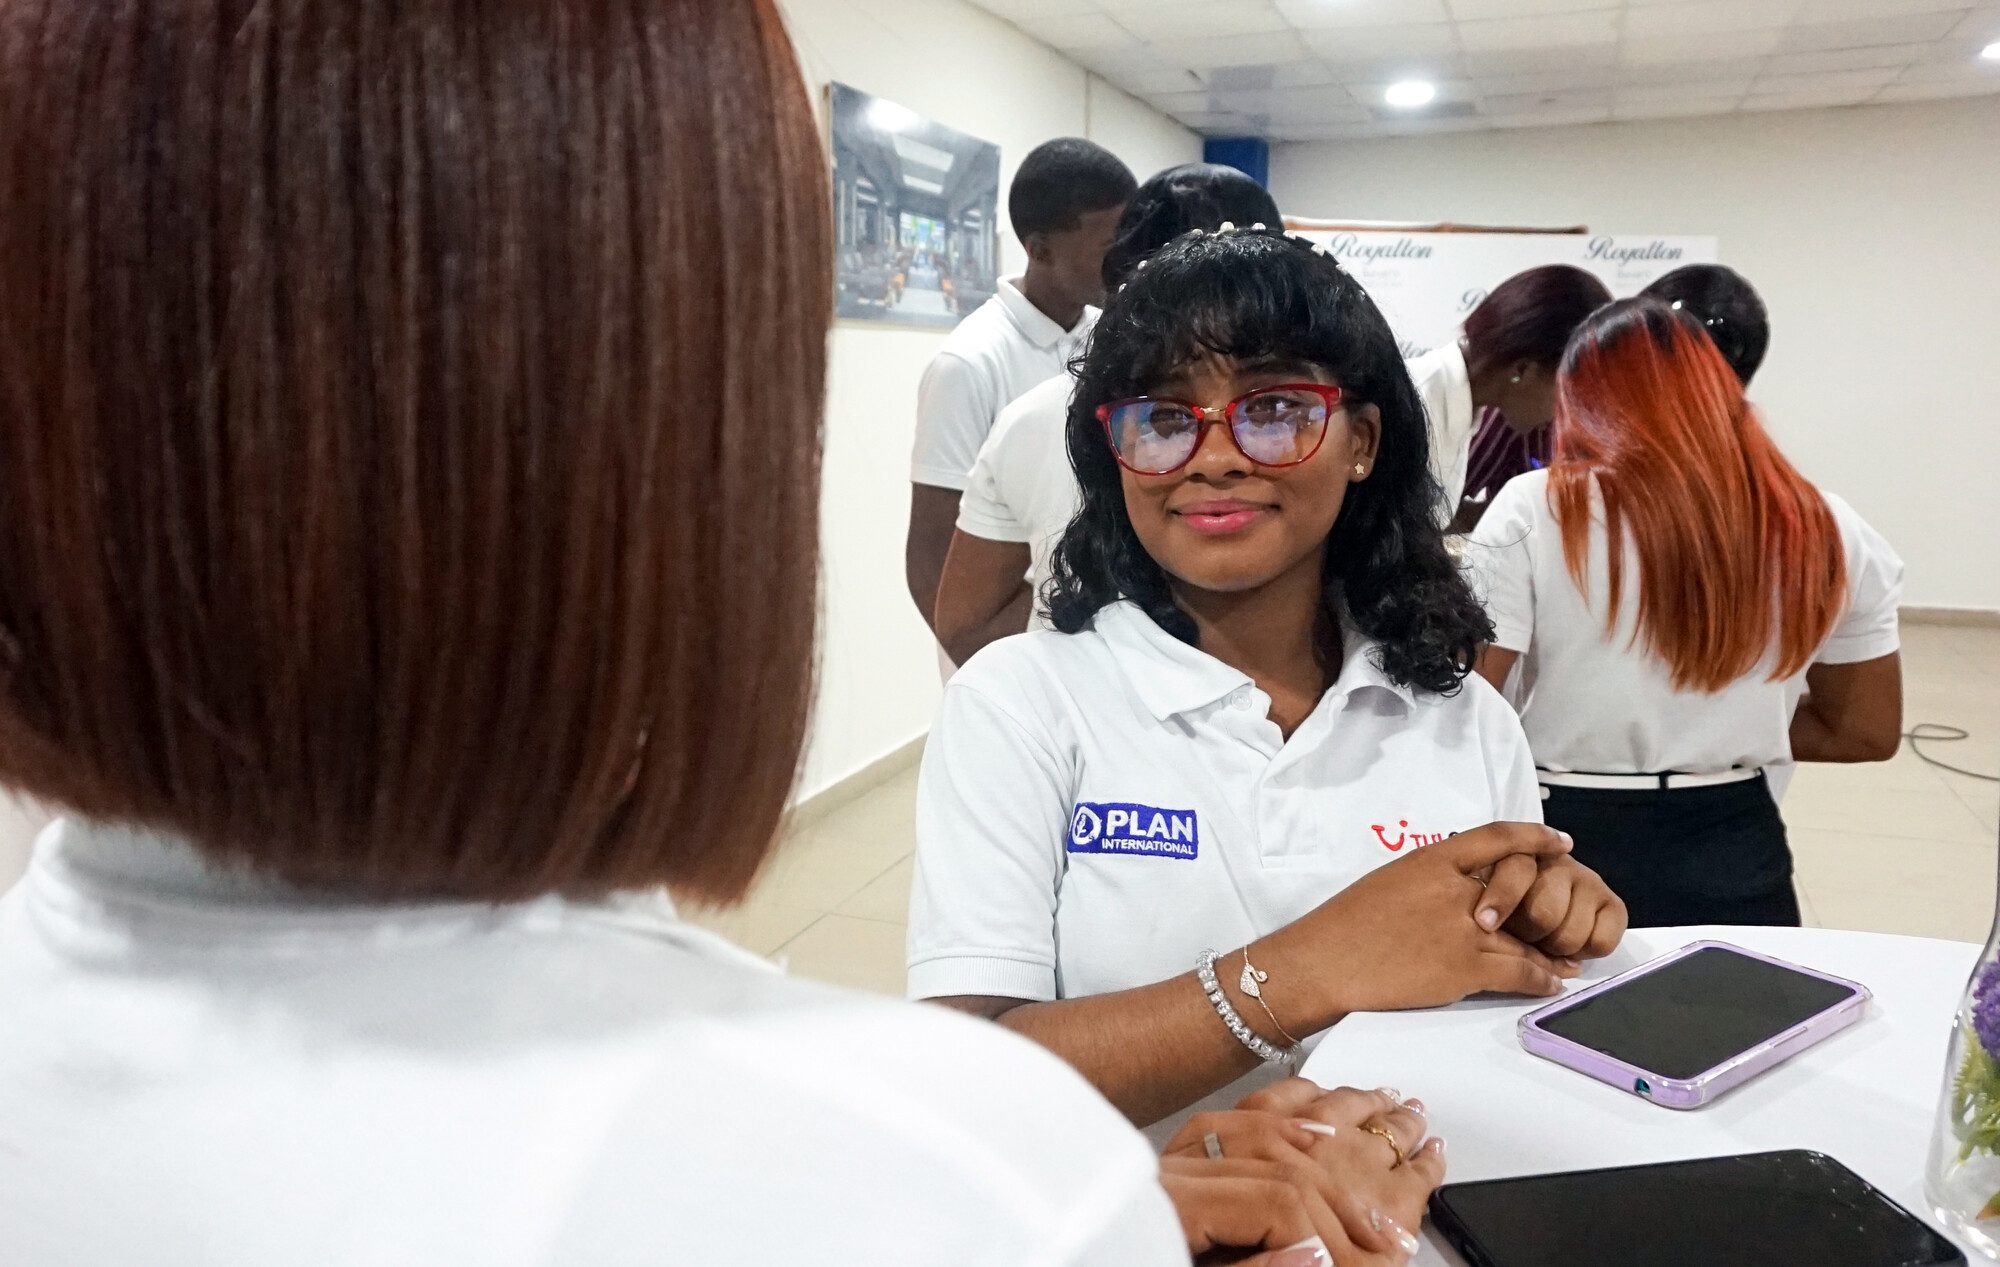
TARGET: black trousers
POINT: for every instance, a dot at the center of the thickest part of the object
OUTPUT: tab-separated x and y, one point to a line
1698	855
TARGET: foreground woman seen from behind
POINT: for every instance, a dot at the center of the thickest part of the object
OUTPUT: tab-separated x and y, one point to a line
407	571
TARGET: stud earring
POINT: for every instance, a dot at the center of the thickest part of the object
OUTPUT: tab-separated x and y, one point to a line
1359	470
1515	379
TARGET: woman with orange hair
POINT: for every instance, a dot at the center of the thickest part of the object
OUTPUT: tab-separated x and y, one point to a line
1673	588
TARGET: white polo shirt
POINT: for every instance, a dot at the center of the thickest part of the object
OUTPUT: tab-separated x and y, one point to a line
1022	487
1096	809
202	1069
1004	347
1445	384
1595	700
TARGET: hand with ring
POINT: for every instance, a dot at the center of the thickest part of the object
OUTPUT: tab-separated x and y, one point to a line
1362	1152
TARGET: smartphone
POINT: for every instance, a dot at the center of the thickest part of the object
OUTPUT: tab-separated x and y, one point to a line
1746	1211
1688	1026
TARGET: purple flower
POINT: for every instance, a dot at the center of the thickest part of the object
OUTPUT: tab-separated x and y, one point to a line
1986	1008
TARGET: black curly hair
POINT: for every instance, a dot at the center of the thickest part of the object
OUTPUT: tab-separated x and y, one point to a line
1727	306
1257	294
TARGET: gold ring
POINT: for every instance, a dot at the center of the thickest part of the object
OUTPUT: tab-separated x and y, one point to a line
1394	1147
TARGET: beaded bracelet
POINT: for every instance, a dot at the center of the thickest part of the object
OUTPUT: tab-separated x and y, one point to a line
1268	1052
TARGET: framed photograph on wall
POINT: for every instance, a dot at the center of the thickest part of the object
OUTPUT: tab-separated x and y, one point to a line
915	207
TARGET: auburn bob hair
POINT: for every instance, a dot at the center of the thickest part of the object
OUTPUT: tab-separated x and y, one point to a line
409	433
1739	558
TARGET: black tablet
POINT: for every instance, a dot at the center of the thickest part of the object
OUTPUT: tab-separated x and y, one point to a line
1747	1211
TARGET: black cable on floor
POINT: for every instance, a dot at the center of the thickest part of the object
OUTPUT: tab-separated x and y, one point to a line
1943	734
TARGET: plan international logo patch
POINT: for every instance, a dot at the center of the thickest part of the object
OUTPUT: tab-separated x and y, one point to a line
1103	827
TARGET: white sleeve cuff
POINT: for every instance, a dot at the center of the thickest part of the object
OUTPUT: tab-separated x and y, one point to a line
1855	648
975	522
1511	637
940	477
940	976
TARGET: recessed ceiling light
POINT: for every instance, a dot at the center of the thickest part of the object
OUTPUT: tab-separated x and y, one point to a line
1410	94
1991	52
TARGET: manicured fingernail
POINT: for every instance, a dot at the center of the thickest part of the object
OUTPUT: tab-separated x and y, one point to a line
1317	1128
1391	1092
1414	1105
1402	1235
1489	919
1437	1145
1303	1256
1375	1219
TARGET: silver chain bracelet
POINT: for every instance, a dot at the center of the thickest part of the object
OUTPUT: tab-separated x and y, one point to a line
1268	1052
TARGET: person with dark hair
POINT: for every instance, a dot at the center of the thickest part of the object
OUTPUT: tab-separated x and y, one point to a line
1021	493
1672	586
1504	361
372	408
1728	307
1153	839
1065	202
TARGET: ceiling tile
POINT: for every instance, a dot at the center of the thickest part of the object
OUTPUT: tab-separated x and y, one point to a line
1692	72
1692	90
1811	36
1274	48
1312	73
1321	15
1710	17
1138	70
1759	102
1586	99
1157	22
1560	30
1845	59
1654	50
1842	10
1317	105
1091	30
1553	119
1937	89
1861	83
1479	10
1544	81
1014	10
1674	109
1382	43
1968	68
1526	61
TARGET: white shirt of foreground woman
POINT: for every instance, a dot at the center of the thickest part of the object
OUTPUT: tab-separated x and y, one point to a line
1097	809
201	1069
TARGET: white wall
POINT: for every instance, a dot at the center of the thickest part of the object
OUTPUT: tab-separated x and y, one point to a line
971	71
1871	233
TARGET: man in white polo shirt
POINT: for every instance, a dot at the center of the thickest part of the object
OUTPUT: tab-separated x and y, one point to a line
1064	205
1021	493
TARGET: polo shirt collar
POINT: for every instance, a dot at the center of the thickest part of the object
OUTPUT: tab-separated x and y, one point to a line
1172	678
1033	323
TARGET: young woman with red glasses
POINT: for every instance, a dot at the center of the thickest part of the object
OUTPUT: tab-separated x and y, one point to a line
1188	828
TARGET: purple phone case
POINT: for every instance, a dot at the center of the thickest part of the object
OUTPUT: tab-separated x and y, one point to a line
1690	1093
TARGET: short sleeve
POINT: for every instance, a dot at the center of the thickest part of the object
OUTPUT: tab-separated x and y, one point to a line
984	511
1501	566
992	817
955	409
1868	630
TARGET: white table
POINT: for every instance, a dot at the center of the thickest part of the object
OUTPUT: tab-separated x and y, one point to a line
1865	1096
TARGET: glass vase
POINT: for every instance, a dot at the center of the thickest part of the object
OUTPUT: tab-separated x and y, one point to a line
1962	1177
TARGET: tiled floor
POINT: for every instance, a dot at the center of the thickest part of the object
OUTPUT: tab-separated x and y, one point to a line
1897	847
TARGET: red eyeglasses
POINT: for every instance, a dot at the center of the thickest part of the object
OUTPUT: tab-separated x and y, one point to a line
1272	426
